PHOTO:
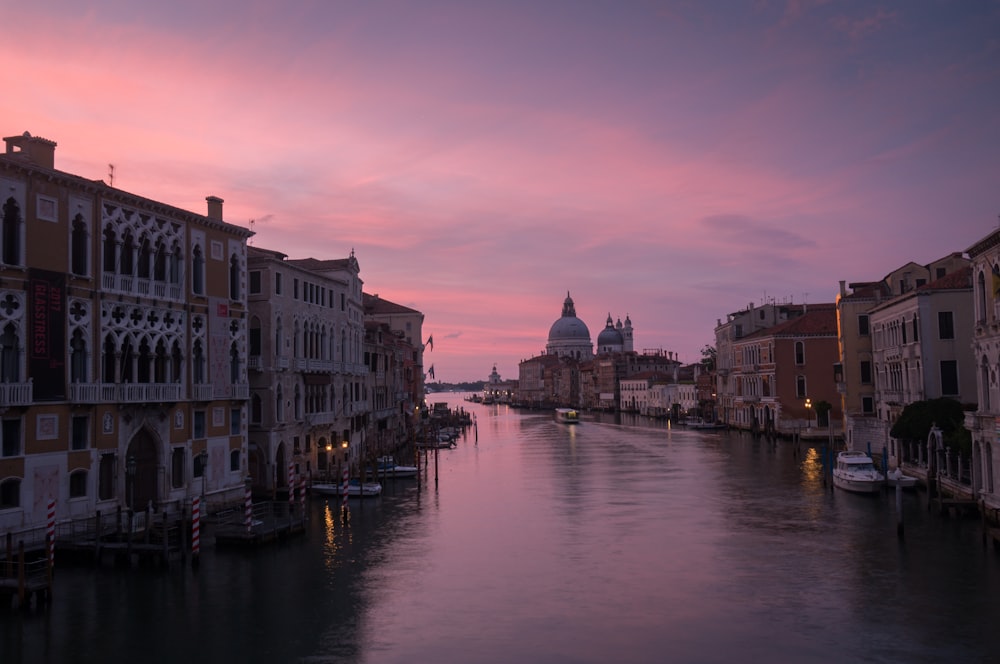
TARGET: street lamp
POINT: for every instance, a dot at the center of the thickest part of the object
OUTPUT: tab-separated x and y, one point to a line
130	467
809	406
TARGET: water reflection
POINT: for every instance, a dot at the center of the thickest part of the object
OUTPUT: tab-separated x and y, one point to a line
608	541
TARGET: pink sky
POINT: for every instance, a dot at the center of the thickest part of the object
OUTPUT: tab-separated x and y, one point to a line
669	161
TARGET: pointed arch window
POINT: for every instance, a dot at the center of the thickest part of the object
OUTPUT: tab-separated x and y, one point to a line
234	364
198	271
79	247
78	358
10	363
279	406
234	277
198	364
127	259
110	250
11	232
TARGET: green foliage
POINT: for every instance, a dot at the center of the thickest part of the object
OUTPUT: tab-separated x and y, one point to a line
708	354
917	418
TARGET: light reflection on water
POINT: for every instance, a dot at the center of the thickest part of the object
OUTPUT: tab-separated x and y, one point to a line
544	542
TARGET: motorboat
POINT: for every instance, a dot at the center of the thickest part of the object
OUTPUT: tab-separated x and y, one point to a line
387	467
856	472
568	415
355	489
896	477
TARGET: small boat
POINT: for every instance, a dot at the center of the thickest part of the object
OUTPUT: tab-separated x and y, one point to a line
355	489
441	443
895	477
702	424
387	467
856	472
568	415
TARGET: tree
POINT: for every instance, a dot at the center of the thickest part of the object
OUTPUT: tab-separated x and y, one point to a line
708	354
917	418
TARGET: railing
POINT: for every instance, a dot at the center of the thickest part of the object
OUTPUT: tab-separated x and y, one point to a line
282	363
16	394
143	287
142	392
254	362
203	392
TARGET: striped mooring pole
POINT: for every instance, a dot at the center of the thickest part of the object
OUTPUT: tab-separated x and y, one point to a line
302	490
291	485
248	507
52	532
343	489
195	528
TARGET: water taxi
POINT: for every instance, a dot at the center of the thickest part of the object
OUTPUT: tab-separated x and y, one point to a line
568	415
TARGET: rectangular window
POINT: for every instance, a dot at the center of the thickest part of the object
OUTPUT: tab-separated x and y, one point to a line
277	283
295	289
863	325
234	421
916	326
800	352
866	372
198	464
800	387
106	481
255	282
946	325
80	433
234	460
902	327
11	432
199	424
949	378
868	405
177	467
10	493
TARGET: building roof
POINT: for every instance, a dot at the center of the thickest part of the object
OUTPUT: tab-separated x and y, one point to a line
957	280
818	320
374	305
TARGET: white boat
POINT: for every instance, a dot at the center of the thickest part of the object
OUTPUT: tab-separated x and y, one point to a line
896	477
568	415
856	472
355	489
387	467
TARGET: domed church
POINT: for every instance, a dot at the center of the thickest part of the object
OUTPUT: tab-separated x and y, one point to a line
569	336
615	338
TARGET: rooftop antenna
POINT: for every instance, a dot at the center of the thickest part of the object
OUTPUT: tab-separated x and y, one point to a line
111	175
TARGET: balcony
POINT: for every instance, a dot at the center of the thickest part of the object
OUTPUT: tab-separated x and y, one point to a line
203	392
16	394
141	393
254	363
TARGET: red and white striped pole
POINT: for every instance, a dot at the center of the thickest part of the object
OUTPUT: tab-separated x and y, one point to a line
291	485
248	507
195	527
52	532
302	490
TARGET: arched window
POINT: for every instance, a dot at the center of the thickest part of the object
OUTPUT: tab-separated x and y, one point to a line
279	405
176	266
160	263
981	298
78	358
145	362
127	261
11	232
984	380
80	248
161	362
198	364
234	277
110	250
255	408
198	271
234	364
176	363
10	493
78	484
10	365
145	258
800	353
297	403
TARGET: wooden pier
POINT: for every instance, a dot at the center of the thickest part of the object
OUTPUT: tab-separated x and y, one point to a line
270	522
26	576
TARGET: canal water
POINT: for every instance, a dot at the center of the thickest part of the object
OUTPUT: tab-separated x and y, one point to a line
608	541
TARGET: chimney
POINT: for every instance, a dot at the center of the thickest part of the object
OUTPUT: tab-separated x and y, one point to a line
39	151
214	207
843	288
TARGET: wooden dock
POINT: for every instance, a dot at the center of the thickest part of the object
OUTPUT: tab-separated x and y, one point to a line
26	577
270	522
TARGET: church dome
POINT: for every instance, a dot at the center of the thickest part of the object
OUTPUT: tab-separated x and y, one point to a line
569	327
610	336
